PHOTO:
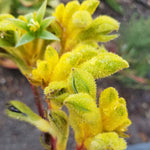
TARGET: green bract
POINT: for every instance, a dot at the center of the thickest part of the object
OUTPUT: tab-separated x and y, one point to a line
35	26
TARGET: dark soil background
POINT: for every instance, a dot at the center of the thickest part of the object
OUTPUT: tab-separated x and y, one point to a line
16	135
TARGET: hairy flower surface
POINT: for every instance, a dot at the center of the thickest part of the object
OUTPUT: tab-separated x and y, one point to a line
78	25
106	141
67	75
113	110
112	117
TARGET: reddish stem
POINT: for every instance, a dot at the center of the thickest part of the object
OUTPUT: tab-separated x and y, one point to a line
53	143
80	147
38	100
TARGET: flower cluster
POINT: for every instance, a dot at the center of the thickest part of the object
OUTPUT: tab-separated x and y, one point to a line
67	76
78	26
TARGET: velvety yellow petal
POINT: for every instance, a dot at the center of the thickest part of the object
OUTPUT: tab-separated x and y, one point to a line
108	99
105	64
64	66
45	67
99	29
87	51
89	5
105	24
42	72
84	116
81	19
123	127
59	12
70	9
106	141
113	110
51	56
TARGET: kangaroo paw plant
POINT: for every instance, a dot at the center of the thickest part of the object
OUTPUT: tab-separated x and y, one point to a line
62	54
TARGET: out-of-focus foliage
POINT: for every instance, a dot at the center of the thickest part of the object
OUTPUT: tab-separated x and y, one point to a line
5	6
114	5
134	46
18	7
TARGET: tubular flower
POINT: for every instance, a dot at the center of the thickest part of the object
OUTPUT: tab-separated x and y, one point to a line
106	141
84	116
35	26
109	123
92	60
78	25
24	39
114	111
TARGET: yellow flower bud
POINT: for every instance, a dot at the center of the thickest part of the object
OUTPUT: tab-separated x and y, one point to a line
45	67
64	66
108	99
87	51
81	19
59	12
70	9
113	110
106	141
89	5
104	24
51	56
42	72
104	65
99	29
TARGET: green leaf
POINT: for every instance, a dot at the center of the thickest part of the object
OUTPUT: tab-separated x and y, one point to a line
8	38
29	16
26	38
20	111
115	6
19	23
41	12
47	36
60	125
45	23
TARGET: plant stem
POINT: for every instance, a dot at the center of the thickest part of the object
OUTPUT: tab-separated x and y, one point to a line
53	143
81	147
38	100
